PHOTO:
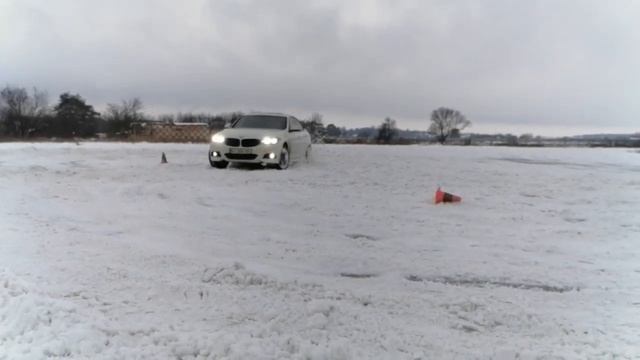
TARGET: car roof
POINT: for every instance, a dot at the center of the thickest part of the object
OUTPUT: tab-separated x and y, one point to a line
268	113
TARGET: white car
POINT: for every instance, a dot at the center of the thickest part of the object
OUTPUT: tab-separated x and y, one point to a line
261	138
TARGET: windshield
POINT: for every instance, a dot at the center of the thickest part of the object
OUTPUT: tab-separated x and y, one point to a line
261	122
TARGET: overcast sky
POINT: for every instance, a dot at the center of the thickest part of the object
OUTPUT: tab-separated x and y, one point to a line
547	67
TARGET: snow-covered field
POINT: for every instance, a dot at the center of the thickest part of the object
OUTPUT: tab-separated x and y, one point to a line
107	254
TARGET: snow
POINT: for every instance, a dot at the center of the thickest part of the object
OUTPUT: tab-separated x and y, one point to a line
106	253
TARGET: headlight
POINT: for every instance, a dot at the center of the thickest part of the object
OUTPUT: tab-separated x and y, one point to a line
268	140
217	138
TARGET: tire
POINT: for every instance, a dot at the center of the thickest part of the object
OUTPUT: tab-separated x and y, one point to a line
218	164
283	164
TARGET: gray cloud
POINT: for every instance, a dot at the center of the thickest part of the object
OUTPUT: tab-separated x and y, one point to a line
540	65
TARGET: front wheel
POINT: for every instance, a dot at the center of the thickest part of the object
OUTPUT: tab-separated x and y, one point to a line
218	164
284	159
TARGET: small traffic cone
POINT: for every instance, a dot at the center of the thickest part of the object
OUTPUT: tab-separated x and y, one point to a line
164	159
445	197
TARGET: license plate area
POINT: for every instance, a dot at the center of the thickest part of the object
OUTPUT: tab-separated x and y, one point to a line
239	151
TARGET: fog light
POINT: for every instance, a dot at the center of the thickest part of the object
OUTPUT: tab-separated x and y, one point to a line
215	154
272	156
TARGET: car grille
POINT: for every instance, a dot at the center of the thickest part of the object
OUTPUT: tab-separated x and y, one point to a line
245	142
241	156
250	142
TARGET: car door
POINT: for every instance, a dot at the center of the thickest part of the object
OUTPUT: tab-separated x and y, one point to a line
296	138
304	140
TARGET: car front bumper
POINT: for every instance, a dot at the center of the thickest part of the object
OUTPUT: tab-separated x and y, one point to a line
259	154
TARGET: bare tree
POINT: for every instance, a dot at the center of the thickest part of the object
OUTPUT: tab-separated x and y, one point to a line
127	109
315	127
316	117
120	116
15	99
38	105
445	121
166	118
20	112
387	131
14	105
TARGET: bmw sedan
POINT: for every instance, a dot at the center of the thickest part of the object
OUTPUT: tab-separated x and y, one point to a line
261	138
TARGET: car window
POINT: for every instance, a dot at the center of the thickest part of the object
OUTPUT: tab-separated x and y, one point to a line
261	122
295	125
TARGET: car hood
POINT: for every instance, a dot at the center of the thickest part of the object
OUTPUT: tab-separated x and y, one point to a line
251	133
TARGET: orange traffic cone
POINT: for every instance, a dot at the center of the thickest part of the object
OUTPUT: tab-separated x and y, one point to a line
445	197
163	160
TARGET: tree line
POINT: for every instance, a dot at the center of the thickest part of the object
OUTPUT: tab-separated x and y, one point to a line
27	114
445	123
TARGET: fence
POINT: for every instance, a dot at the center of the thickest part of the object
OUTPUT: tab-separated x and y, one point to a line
177	132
